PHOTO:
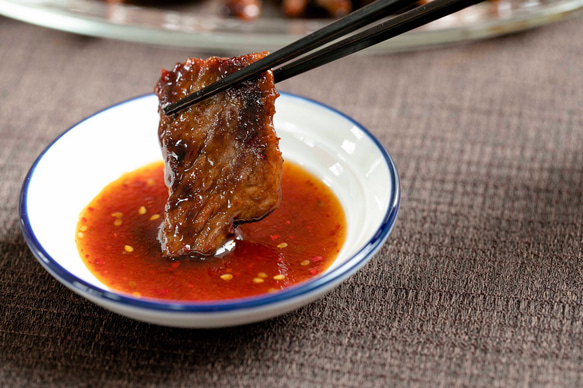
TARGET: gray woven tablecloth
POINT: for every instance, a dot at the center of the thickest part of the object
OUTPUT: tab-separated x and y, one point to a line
479	284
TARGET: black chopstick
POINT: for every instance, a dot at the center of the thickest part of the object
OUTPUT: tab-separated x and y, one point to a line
372	13
351	22
395	26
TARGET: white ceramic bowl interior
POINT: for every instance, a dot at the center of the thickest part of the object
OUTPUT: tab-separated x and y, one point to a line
78	164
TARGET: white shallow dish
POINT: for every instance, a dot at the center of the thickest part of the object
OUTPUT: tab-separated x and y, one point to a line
96	151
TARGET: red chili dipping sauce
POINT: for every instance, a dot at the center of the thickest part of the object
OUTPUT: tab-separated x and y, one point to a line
117	239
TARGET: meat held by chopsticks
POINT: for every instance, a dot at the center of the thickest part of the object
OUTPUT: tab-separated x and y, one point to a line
223	166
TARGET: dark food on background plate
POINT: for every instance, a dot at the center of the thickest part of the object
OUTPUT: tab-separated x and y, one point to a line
243	9
223	164
251	9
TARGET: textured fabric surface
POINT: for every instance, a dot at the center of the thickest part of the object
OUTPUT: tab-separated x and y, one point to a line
480	283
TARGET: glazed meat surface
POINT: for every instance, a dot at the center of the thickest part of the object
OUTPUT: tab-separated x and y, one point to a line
223	166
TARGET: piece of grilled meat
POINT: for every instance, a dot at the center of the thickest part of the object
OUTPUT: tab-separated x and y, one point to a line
223	166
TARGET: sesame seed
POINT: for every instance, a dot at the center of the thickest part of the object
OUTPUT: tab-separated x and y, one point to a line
117	222
84	228
142	210
262	275
257	280
154	217
128	248
117	214
279	277
282	245
136	294
305	262
226	276
272	290
150	182
80	234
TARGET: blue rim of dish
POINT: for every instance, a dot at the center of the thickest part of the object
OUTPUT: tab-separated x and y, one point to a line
329	278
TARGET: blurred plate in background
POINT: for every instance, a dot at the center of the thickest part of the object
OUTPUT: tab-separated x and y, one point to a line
201	24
